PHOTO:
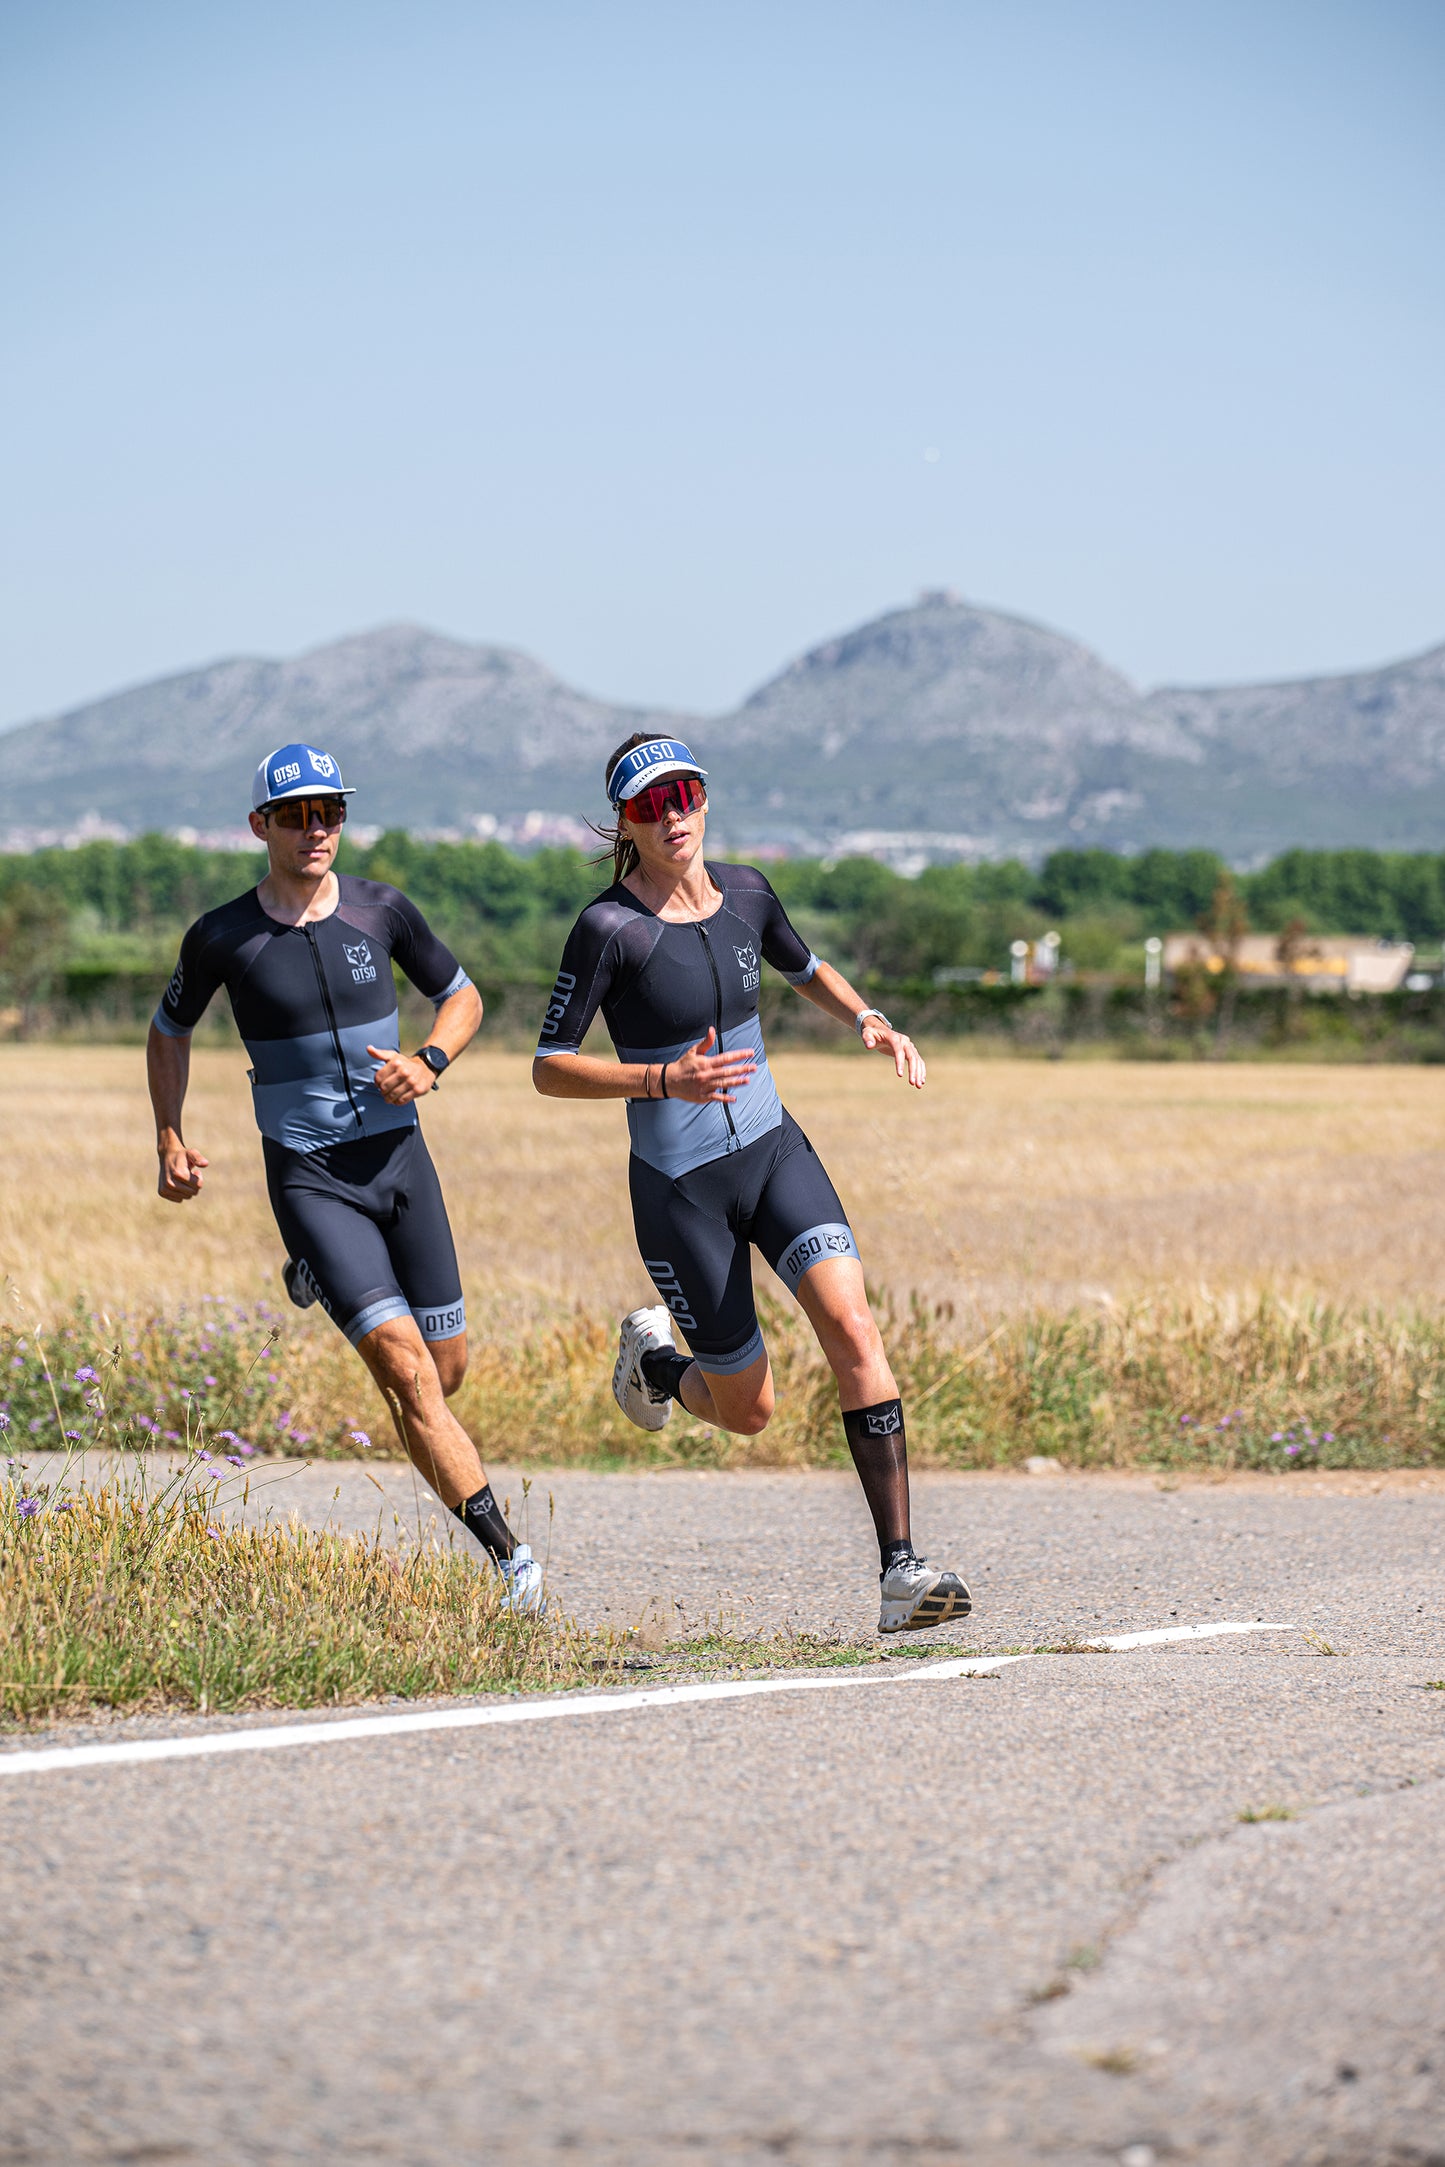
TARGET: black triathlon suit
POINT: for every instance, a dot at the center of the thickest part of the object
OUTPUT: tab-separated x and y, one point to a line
351	1181
706	1180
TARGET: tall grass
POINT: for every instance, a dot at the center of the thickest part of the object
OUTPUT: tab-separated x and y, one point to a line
1216	1381
1227	1381
122	1600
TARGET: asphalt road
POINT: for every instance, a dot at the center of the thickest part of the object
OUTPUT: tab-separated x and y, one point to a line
1005	1918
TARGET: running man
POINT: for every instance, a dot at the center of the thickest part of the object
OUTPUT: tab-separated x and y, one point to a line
672	955
305	959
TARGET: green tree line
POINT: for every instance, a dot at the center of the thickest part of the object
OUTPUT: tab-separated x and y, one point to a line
117	910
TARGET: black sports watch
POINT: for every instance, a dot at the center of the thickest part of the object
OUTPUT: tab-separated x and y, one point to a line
437	1061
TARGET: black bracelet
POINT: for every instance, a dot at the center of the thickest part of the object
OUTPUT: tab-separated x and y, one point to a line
665	1067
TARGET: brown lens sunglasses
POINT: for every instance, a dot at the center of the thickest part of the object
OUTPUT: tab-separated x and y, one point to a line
301	812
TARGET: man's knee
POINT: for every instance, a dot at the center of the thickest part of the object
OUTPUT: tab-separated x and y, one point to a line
450	1357
399	1358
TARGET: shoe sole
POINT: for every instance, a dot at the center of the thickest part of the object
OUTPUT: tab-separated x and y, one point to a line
620	1369
950	1599
619	1388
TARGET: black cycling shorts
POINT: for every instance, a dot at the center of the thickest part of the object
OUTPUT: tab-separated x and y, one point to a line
366	1226
695	1229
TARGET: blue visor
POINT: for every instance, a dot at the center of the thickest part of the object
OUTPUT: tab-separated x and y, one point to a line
650	763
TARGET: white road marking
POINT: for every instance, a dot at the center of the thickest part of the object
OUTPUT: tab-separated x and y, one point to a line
343	1730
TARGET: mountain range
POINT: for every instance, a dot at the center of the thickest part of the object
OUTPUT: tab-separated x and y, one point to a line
943	729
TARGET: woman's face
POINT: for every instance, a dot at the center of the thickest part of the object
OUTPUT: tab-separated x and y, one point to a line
669	846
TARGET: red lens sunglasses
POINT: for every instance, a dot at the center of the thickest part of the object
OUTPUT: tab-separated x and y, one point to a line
683	794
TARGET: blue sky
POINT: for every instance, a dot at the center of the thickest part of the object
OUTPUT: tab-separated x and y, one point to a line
665	340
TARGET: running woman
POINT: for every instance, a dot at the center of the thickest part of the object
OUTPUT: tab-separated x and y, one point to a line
672	955
306	959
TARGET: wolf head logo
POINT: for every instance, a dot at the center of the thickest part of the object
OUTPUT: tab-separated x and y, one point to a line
358	955
884	1425
747	958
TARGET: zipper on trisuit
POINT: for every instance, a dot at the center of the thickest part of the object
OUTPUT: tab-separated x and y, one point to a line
733	1144
310	933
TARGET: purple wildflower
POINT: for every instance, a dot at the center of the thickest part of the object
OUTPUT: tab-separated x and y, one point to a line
66	1504
4	1420
208	1380
359	1437
28	1507
72	1433
213	1534
85	1374
233	1459
1276	1437
1291	1450
1329	1437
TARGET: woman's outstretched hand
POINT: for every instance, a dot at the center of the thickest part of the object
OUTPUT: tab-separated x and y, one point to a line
879	1036
710	1079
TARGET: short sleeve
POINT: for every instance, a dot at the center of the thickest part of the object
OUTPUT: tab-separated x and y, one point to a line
589	961
783	945
427	961
193	982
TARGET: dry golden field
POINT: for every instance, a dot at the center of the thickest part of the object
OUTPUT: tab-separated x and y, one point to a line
1004	1186
1114	1263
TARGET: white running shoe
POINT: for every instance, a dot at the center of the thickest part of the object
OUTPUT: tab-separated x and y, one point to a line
640	1401
917	1595
522	1576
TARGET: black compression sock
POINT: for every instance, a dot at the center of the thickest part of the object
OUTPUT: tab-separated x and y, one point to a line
482	1516
664	1369
879	1445
891	1553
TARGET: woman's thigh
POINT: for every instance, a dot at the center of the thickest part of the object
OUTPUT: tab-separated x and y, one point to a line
701	1267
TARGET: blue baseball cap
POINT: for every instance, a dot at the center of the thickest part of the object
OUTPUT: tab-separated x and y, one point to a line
297	771
648	764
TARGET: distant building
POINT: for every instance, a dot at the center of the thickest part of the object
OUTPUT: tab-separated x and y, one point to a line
1324	963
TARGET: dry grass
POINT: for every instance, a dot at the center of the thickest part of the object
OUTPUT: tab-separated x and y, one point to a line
121	1600
1005	1185
1110	1259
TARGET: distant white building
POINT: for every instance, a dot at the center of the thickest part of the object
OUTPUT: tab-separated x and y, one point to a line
1324	963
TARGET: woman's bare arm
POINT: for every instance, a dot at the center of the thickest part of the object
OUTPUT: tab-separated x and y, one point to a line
829	990
699	1076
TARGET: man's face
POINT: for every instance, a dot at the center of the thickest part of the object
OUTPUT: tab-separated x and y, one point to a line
305	851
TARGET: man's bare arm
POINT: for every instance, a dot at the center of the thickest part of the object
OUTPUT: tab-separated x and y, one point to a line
168	1071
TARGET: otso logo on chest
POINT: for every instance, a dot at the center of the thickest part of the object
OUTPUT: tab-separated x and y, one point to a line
748	965
363	970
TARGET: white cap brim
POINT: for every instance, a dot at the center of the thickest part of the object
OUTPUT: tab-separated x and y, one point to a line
660	774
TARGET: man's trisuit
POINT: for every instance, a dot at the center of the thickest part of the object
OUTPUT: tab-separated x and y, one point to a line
706	1180
352	1184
